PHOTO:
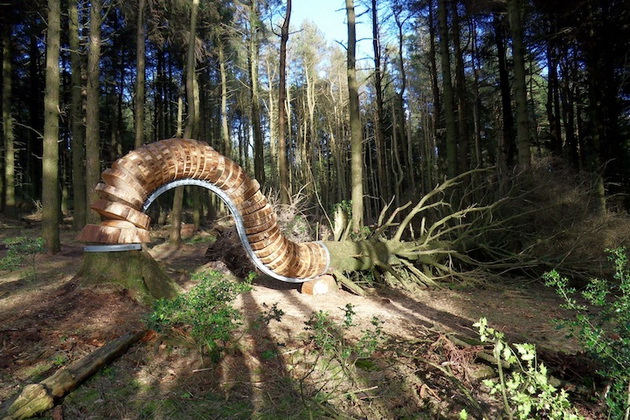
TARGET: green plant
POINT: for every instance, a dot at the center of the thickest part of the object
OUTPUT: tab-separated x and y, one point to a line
205	312
526	392
604	334
328	335
270	313
19	249
60	360
336	357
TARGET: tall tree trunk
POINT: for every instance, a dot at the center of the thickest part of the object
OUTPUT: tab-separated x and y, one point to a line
553	101
34	147
283	170
272	119
140	76
515	10
567	99
449	97
411	173
190	131
460	87
508	138
225	126
76	120
356	131
477	98
379	133
92	125
7	124
435	87
259	156
50	181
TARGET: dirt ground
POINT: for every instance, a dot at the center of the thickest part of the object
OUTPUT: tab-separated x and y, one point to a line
47	321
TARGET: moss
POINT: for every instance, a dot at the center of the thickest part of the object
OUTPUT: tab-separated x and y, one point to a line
136	271
83	396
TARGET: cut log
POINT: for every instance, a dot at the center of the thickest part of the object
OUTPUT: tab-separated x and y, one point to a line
320	286
37	398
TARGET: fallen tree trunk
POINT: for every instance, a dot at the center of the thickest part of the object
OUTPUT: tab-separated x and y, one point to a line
37	398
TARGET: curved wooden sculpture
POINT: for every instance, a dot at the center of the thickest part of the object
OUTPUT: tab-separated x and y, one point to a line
138	178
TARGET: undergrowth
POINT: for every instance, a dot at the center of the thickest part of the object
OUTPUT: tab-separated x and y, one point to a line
331	374
205	312
20	249
527	391
604	333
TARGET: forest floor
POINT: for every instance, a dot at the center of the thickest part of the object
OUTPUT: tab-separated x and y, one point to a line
47	322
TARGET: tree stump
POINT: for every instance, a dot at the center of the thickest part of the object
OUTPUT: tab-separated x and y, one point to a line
136	271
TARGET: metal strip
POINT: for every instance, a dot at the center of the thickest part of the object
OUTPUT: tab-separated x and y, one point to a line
238	219
112	248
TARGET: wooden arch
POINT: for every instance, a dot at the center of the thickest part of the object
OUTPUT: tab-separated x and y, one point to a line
136	179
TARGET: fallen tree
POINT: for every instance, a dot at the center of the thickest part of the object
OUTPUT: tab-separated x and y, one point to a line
431	242
37	398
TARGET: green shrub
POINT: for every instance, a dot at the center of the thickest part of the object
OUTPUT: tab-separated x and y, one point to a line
19	249
526	392
205	312
332	372
328	335
605	334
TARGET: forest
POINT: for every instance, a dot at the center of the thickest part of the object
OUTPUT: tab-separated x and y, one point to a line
468	153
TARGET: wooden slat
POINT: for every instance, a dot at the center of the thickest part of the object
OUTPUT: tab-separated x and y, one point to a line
255	203
121	211
217	169
113	235
169	169
245	191
140	172
262	227
122	181
114	194
272	246
156	151
283	266
264	235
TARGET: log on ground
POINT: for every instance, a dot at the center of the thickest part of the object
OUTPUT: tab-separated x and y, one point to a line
37	398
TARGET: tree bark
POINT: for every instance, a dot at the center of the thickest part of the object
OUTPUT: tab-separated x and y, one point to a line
508	139
225	126
449	96
409	161
192	124
356	131
51	209
283	171
379	133
460	87
515	10
140	76
76	120
7	124
136	271
92	123
254	45
435	87
37	398
553	100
